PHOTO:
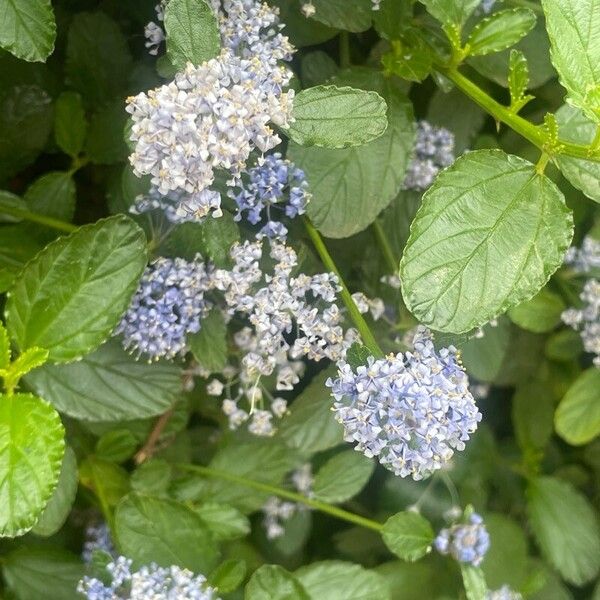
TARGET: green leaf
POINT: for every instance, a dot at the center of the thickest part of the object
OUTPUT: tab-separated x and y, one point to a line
337	117
351	186
574	126
164	532
70	124
317	67
539	314
53	194
218	236
71	296
342	477
337	580
9	200
30	359
483	357
565	527
45	572
311	427
518	80
116	446
532	414
358	355
209	345
564	345
228	576
106	479
152	478
192	32
474	582
574	30
98	71
489	233
501	30
272	582
350	15
451	12
4	347
224	522
59	506
410	58
105	144
27	28
408	535
108	385
31	451
577	418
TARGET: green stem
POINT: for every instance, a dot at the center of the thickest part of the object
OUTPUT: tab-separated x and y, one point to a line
385	246
345	60
357	318
14	211
533	133
540	167
329	509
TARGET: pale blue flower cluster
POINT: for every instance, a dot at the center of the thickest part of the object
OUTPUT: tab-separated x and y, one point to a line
157	583
274	184
411	410
168	305
504	593
433	151
97	539
465	542
487	6
586	258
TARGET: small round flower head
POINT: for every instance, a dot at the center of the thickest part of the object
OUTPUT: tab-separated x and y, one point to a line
376	4
153	32
274	184
465	542
504	593
412	410
308	9
168	305
434	151
586	258
97	539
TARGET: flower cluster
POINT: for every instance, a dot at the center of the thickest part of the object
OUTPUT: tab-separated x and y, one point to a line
487	6
504	593
168	305
275	183
587	319
152	581
434	151
375	306
586	258
276	511
411	410
465	542
97	539
153	32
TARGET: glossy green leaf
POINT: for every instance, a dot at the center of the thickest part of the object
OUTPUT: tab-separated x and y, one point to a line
164	532
31	452
72	295
192	32
539	314
574	30
501	30
489	233
70	124
474	582
224	522
27	28
25	362
209	345
108	385
229	575
351	186
350	15
518	80
577	418
59	506
337	117
451	12
408	535
53	195
565	527
342	477
272	582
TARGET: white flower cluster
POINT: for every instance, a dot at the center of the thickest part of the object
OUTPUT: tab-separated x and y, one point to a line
586	320
504	593
375	306
153	32
277	511
586	258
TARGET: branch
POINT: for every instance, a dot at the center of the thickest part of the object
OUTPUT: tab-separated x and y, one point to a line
149	448
20	213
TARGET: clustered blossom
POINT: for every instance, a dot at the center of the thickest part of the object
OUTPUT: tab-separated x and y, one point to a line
375	306
465	542
586	258
504	593
168	305
158	583
411	410
153	32
434	151
275	183
97	539
586	320
277	511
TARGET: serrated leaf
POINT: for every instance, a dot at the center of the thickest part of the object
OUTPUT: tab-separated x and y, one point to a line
577	418
565	527
28	360
229	575
192	32
451	12
539	314
116	446
409	59
358	355
351	186
31	451
225	522
408	535
342	477
164	532
152	478
53	194
272	582
574	30
70	124
574	126
108	385
501	30
474	582
518	80
489	233
218	236
27	28
59	506
350	15
209	345
45	572
72	295
337	580
337	117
